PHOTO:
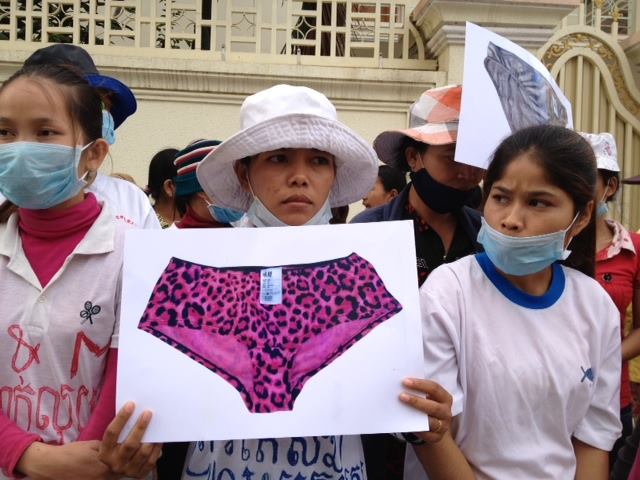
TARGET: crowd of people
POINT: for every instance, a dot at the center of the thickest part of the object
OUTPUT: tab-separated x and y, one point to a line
524	282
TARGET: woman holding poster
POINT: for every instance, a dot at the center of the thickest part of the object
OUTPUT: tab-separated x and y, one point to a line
60	266
522	335
291	162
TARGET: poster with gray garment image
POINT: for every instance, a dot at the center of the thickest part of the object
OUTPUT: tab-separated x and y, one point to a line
527	97
505	88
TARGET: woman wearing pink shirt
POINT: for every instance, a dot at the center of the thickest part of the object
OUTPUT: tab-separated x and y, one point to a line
618	272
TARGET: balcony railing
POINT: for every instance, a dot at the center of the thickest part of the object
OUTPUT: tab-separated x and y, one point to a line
612	11
377	34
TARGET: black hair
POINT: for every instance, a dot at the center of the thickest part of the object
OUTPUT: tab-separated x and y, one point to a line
570	164
339	215
391	178
161	169
409	142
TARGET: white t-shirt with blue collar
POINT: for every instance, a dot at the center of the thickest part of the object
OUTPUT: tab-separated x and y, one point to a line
526	373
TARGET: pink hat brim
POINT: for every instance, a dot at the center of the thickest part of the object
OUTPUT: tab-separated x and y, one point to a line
388	145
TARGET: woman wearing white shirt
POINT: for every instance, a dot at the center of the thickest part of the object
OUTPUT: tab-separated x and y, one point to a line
291	162
526	342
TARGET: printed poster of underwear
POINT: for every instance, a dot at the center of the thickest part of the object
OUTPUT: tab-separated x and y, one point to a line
527	98
223	319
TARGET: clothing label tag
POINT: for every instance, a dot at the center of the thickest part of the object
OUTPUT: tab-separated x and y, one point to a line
271	286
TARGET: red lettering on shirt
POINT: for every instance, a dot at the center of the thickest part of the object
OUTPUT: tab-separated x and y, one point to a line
125	219
94	348
53	407
84	402
56	410
22	395
17	334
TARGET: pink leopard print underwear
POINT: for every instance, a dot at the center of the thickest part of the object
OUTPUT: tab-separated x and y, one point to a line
267	351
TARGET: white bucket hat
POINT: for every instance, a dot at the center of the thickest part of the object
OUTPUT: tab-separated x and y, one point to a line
604	146
285	116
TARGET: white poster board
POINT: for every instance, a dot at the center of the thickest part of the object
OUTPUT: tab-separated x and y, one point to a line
504	88
196	373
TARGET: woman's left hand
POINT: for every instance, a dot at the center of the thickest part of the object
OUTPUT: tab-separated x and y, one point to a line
436	403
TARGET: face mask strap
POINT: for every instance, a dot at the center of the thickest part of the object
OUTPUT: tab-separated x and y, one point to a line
606	187
249	183
569	228
573	221
255	197
87	176
210	205
88	145
246	177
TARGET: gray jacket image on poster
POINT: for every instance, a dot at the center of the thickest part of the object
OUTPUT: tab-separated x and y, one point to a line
527	97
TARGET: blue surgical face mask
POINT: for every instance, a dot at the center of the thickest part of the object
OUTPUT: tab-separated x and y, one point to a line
108	127
39	175
602	209
521	256
260	216
224	215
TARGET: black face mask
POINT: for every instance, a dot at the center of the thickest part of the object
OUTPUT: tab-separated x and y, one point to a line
438	197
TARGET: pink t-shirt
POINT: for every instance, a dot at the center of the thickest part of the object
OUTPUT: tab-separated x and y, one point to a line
618	272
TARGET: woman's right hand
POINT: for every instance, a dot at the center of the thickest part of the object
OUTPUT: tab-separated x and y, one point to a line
131	458
73	461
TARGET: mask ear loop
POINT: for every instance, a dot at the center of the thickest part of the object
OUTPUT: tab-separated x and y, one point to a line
616	198
606	188
88	176
87	146
205	197
569	228
249	183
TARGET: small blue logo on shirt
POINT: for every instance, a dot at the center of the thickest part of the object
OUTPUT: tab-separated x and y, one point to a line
587	374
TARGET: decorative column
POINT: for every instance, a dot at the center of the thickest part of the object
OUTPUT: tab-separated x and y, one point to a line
528	23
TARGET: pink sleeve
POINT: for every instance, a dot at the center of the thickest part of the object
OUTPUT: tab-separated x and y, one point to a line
105	409
13	442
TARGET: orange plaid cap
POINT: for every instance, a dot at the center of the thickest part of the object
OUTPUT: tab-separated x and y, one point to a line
433	119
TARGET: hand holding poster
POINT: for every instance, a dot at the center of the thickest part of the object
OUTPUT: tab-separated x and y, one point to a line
273	332
505	88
